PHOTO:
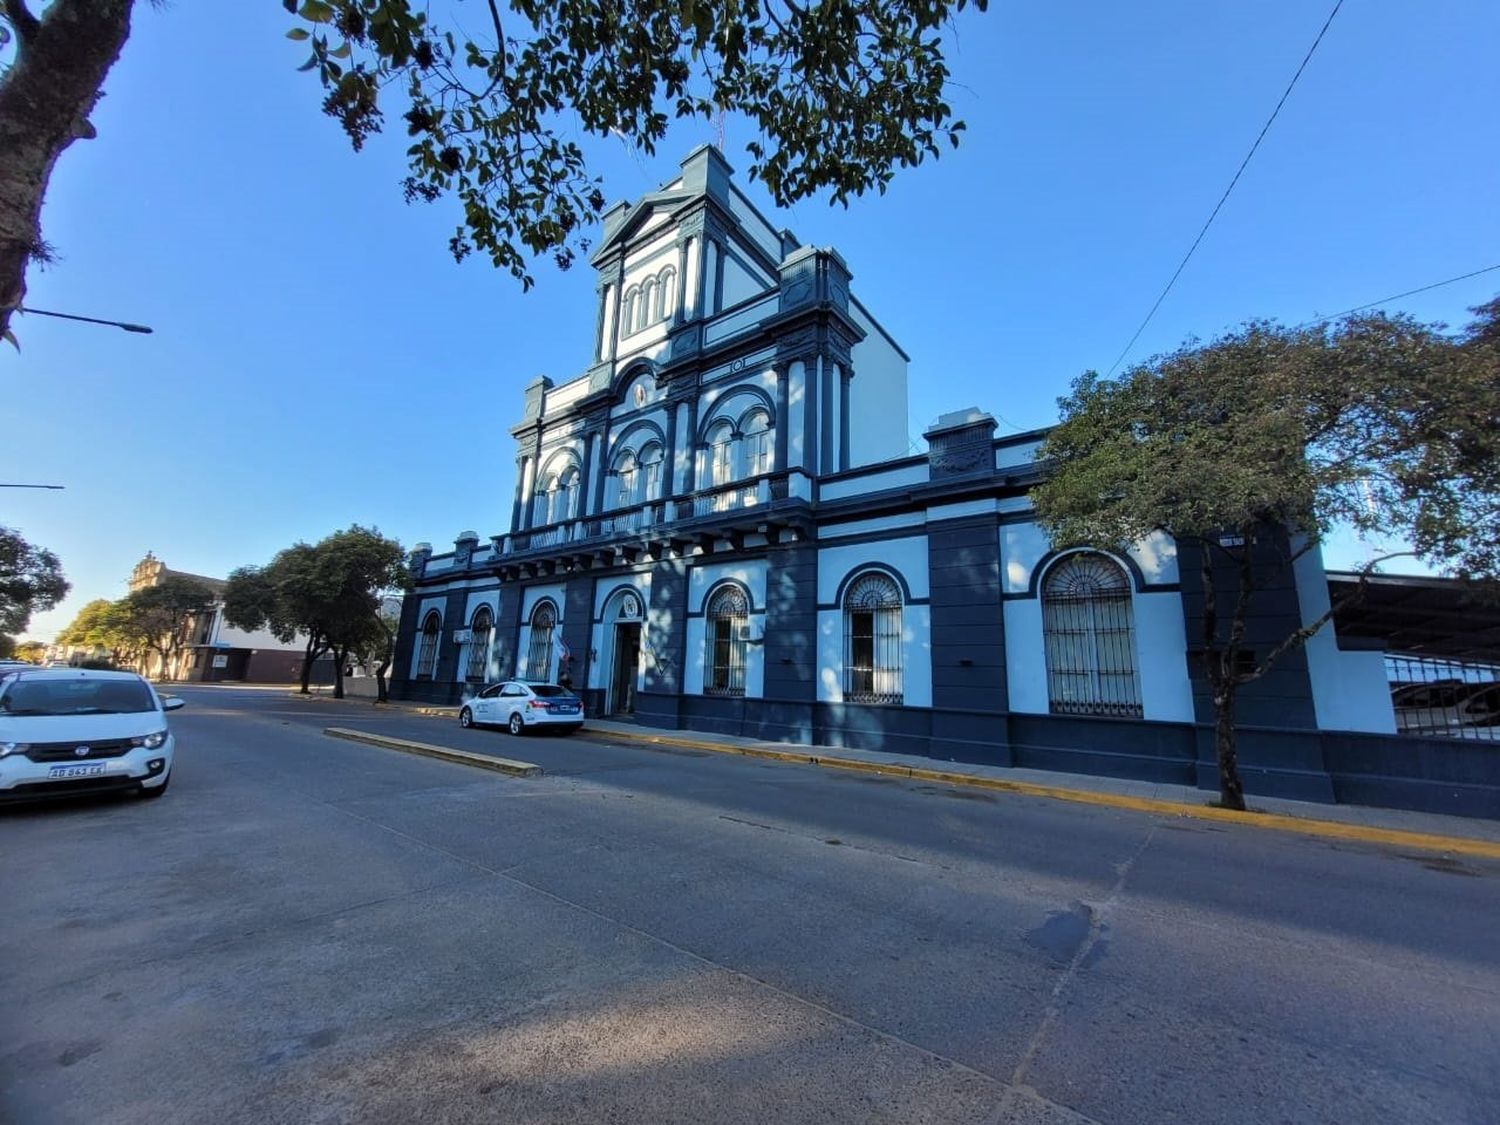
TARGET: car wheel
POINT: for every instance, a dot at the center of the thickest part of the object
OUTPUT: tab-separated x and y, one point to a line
159	791
517	724
466	718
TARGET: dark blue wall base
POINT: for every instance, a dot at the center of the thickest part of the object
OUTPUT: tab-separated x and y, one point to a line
1424	774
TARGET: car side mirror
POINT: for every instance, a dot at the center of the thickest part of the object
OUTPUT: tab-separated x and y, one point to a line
172	703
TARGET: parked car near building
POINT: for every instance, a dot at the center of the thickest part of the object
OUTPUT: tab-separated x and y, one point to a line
520	706
1449	708
65	732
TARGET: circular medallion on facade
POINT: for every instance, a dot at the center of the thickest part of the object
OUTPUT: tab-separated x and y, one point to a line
737	365
640	394
629	606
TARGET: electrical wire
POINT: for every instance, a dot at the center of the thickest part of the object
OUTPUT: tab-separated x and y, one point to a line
1400	296
1223	198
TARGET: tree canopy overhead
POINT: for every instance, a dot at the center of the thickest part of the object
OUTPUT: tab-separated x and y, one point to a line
841	93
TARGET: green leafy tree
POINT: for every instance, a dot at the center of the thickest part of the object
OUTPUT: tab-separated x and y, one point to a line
34	651
841	92
157	618
86	630
125	633
328	592
1249	449
31	580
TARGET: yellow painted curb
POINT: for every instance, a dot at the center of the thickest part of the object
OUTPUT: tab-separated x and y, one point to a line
1274	822
462	757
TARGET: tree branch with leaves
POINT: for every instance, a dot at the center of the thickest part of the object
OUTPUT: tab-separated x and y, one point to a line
1251	448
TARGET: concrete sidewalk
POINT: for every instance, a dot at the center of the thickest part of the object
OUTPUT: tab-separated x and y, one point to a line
1355	822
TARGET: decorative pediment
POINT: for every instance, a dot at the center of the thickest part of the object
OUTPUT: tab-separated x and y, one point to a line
636	217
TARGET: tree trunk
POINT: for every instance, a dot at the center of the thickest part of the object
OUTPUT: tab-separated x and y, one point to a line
339	656
380	693
309	654
1231	789
46	96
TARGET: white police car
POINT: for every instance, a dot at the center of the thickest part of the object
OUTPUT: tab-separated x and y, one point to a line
520	705
66	731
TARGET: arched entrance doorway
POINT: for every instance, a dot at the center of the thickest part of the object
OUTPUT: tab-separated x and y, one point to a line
624	615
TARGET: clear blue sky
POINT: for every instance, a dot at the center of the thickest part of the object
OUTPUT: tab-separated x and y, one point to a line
314	342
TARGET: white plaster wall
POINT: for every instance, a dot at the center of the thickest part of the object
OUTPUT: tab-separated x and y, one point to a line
1022	546
874	481
646	260
1350	689
1025	660
754	225
628	405
739	283
565	394
751	573
1156	555
916	656
877	397
796	409
1020	454
908	557
1161	656
740	321
913	520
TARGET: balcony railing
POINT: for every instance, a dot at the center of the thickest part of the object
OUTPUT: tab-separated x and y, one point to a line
737	496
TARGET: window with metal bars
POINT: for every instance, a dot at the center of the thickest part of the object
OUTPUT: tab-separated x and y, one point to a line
727	627
539	653
1088	627
477	666
427	653
872	640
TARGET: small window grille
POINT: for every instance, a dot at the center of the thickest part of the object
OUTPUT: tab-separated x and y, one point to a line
727	631
873	640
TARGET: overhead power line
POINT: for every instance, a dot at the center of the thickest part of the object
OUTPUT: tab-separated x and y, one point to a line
1223	198
1400	296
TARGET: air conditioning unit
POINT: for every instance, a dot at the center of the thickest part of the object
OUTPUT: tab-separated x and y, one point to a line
462	636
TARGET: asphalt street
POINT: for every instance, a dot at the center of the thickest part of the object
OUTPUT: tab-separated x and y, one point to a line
311	930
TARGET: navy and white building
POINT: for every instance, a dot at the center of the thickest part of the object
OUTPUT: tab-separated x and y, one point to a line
720	526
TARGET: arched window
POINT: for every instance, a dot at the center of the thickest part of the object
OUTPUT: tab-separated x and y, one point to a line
625	480
872	640
720	455
650	463
477	667
667	301
427	653
726	632
627	311
759	455
1089	631
647	313
565	498
542	502
539	652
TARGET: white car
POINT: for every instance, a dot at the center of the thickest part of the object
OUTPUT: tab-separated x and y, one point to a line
68	731
521	706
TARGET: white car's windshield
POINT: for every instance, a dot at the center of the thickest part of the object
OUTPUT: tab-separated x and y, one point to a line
76	697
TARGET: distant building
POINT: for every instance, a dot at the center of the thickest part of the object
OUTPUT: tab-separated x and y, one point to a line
215	650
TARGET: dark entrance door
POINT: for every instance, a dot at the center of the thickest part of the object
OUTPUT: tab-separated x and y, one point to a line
627	664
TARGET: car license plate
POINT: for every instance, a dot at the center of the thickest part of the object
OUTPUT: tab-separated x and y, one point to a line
92	769
564	709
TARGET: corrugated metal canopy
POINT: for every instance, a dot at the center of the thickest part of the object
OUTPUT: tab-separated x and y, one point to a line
1407	613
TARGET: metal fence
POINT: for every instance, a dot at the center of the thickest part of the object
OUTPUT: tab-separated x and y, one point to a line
1434	697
